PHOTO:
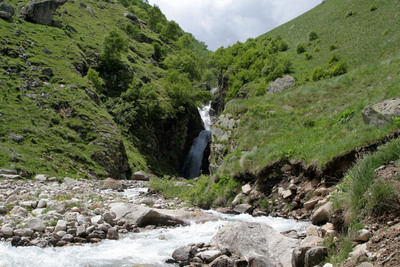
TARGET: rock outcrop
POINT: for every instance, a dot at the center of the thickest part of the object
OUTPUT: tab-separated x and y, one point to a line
7	11
380	113
41	12
255	241
281	84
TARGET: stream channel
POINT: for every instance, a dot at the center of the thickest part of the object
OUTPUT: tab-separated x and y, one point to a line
149	247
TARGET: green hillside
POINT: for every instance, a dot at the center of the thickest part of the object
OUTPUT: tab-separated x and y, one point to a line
343	54
99	93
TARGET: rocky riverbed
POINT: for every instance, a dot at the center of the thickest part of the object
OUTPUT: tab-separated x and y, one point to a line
49	212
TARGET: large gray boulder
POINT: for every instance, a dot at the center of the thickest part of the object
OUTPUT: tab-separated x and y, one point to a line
35	224
281	84
7	8
322	215
142	216
256	241
379	113
41	12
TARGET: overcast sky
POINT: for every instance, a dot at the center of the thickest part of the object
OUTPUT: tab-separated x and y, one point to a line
224	22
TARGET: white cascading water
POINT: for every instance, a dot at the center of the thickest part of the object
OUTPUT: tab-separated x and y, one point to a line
194	159
150	248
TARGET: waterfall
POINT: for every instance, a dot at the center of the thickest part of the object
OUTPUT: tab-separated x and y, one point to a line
194	159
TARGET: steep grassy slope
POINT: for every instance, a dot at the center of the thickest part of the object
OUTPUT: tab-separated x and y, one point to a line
65	119
320	118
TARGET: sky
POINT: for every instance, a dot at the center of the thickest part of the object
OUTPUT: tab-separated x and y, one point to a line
224	22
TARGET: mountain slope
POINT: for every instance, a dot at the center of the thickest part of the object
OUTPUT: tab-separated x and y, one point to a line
343	55
73	94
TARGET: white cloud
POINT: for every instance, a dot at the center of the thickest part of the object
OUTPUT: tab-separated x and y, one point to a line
224	22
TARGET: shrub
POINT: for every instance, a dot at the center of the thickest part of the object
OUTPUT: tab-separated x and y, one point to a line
94	77
333	58
312	36
301	48
338	69
308	55
132	31
157	51
346	116
318	73
350	13
373	8
317	49
332	47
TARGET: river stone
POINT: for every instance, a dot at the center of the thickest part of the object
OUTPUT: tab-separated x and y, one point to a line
299	253
315	255
61	226
81	230
311	231
41	177
109	218
322	214
97	219
112	233
58	206
222	261
42	203
40	12
309	205
209	255
281	84
35	224
243	208
256	240
7	231
379	113
67	238
140	176
23	232
184	253
143	216
111	183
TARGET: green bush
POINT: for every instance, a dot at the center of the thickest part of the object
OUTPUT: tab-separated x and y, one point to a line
312	36
132	31
301	48
94	77
332	47
350	13
318	73
308	56
338	69
317	49
373	8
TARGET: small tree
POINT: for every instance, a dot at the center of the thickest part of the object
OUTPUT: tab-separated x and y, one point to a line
114	45
94	77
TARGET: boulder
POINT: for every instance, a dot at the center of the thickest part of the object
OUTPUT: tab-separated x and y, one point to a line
281	84
322	214
222	261
17	138
35	224
309	205
140	176
209	255
246	189
7	8
111	183
7	231
379	113
298	257
312	231
184	253
362	235
143	216
131	17
257	241
112	233
315	255
243	208
61	226
6	16
40	12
